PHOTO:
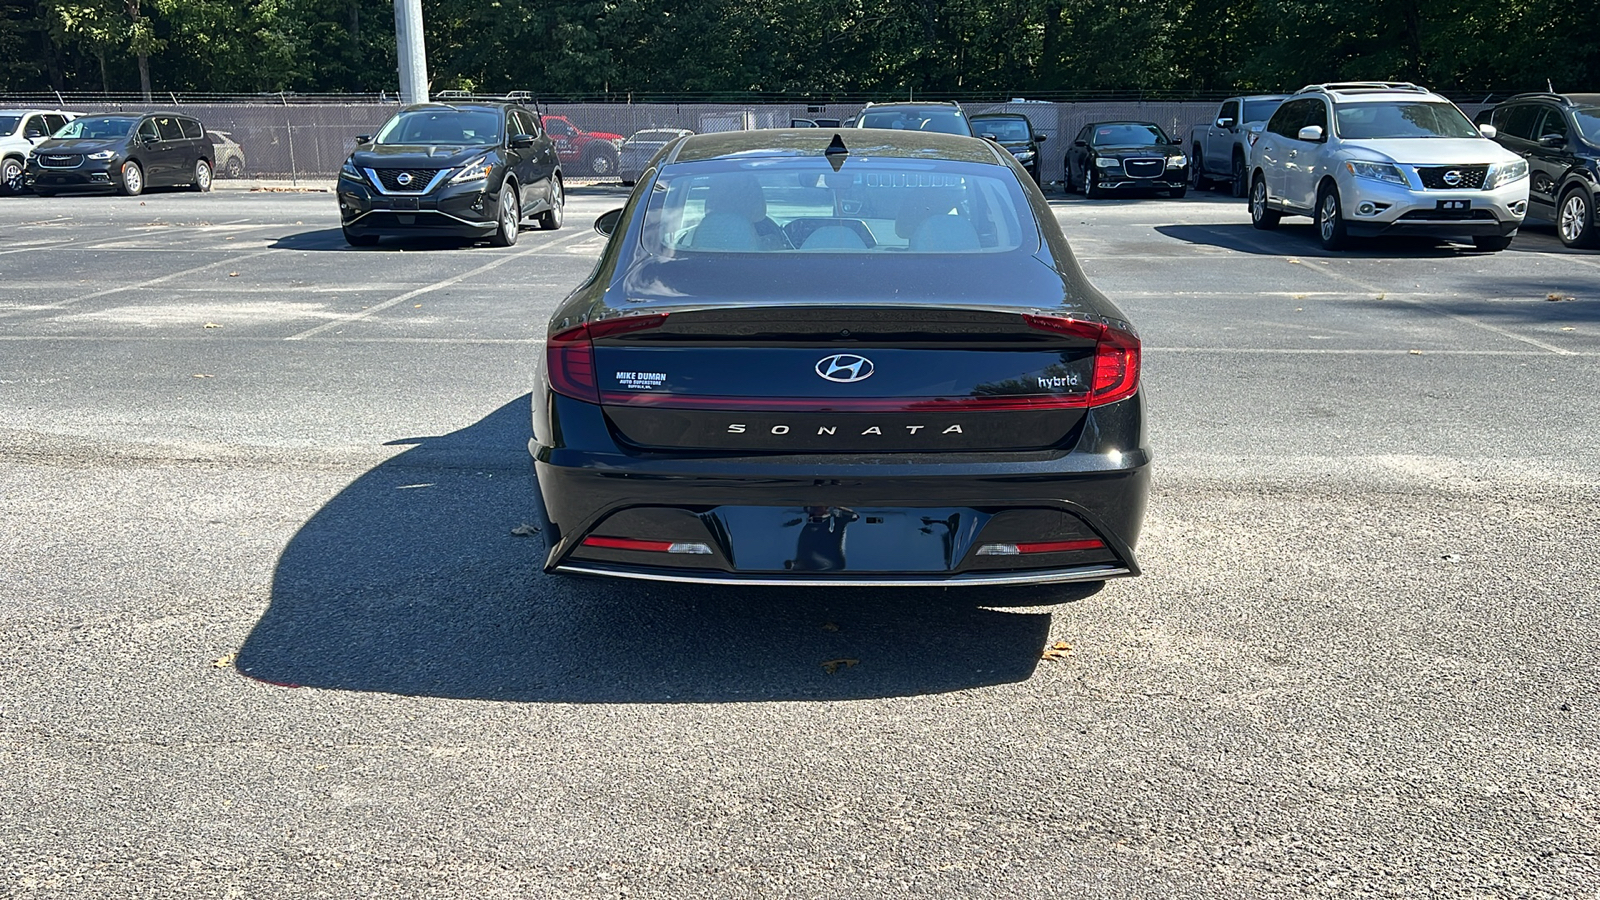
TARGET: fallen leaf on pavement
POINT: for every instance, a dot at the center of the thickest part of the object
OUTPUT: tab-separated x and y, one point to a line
212	325
224	662
199	375
233	274
525	530
834	665
1058	650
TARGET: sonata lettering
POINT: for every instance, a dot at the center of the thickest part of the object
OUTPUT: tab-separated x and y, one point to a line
743	428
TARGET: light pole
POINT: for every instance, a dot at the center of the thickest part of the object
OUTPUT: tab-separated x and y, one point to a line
413	52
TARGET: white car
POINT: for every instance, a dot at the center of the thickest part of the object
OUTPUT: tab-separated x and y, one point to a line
20	130
1370	158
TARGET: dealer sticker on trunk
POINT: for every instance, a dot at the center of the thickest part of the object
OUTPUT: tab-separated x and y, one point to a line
641	381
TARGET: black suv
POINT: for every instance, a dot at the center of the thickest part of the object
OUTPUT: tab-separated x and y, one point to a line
466	168
1559	134
1014	132
942	117
122	153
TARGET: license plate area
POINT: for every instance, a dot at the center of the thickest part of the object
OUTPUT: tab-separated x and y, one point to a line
405	203
1454	205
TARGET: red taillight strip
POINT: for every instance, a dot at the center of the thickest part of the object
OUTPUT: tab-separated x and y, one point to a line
1060	546
569	354
995	403
611	543
1116	354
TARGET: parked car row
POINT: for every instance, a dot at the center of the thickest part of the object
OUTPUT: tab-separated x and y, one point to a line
53	151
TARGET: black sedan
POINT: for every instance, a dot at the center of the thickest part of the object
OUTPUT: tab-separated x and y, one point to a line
1108	157
810	357
468	170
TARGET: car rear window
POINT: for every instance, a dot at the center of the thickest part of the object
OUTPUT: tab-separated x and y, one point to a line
870	206
191	129
945	121
1004	129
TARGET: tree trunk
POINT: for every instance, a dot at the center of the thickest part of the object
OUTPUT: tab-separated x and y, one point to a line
144	76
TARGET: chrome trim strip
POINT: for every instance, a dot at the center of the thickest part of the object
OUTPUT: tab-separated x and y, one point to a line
1048	576
44	165
424	212
378	184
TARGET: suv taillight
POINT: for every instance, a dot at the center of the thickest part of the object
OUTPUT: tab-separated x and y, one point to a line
1116	355
569	354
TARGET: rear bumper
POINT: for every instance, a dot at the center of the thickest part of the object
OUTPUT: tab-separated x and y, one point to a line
763	519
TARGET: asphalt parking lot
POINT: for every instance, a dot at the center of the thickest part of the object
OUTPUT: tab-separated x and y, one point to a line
265	628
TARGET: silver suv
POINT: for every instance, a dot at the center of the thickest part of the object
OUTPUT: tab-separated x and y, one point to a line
1369	158
20	131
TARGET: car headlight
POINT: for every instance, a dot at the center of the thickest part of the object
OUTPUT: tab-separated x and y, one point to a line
348	170
1024	156
1177	162
476	169
1376	170
1104	163
102	154
1501	174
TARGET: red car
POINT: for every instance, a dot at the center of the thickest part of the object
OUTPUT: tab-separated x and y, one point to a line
588	152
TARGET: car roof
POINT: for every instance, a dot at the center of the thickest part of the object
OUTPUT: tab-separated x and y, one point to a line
998	115
945	105
869	142
458	107
1569	99
1339	91
22	111
1121	122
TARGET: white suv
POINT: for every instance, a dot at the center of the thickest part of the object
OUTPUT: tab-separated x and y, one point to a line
1368	158
20	130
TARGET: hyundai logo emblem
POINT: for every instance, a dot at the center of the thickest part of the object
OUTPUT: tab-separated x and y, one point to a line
844	368
1452	177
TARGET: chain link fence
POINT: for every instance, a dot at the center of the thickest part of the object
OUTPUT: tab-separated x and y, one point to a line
307	141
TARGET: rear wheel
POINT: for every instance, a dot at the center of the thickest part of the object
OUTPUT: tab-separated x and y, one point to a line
1575	218
234	168
1261	216
1240	181
602	163
1330	219
132	179
510	222
11	175
202	176
1197	169
360	240
1492	243
551	219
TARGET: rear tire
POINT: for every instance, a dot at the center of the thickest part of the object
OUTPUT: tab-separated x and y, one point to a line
509	225
234	168
1240	183
1492	243
1261	216
601	163
1089	189
1330	219
132	180
1197	169
202	176
1575	219
360	240
550	219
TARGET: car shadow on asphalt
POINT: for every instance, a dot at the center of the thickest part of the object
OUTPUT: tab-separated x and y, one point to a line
324	239
1301	240
410	581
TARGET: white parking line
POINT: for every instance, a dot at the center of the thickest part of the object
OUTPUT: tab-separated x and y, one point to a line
425	289
157	280
1466	320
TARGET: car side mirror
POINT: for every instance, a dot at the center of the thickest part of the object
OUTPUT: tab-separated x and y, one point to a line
1039	138
608	221
33	133
521	141
989	136
1488	131
1310	133
1226	122
1080	143
1553	141
363	138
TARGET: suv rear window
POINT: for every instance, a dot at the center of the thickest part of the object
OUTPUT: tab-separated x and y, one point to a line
1392	119
940	120
884	206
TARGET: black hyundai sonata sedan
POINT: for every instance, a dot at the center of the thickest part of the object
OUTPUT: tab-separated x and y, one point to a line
857	358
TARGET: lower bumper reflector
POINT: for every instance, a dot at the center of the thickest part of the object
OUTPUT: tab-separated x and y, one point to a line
693	548
1039	547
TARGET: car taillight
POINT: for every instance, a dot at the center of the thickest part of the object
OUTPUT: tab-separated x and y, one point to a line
569	354
1116	355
